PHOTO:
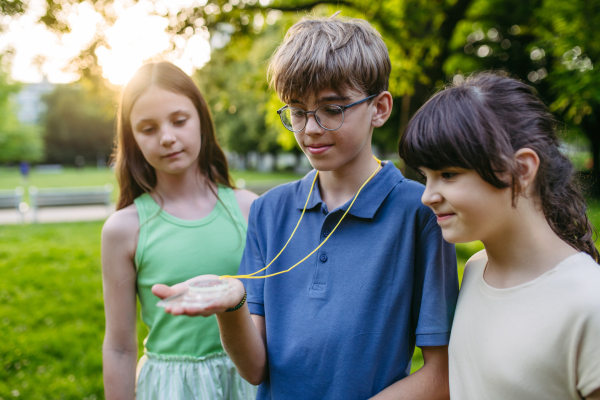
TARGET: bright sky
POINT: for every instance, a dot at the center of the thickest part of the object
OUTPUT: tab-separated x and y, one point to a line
138	35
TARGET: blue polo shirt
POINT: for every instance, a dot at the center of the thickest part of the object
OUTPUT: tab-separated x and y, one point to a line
344	324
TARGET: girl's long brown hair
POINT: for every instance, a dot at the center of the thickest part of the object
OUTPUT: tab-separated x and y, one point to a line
479	124
134	174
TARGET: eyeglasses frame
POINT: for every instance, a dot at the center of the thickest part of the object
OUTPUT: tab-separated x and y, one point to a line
307	113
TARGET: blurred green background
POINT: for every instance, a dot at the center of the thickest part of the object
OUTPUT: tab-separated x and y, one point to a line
51	312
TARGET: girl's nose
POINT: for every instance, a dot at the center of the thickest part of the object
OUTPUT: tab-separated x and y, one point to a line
167	138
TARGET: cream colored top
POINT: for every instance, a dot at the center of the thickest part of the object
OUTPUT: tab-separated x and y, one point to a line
538	340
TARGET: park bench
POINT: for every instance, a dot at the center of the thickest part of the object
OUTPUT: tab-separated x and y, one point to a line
12	199
69	196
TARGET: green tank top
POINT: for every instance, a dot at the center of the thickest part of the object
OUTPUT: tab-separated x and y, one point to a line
171	250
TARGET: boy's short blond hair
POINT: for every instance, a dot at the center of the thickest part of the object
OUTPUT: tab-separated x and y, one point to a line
329	53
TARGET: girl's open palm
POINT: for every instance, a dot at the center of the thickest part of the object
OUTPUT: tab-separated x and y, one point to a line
229	300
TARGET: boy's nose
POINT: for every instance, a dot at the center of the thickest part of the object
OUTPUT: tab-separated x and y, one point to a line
312	126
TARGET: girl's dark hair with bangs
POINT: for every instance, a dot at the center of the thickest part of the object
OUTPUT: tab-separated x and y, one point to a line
479	124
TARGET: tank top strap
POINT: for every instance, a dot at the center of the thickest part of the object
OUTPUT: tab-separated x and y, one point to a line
146	209
227	196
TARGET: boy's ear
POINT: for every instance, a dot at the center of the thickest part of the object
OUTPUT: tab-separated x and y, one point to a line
383	108
527	162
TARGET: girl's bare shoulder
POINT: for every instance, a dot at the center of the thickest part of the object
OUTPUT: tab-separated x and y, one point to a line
122	224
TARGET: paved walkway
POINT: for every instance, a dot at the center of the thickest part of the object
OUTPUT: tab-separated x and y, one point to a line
93	213
57	214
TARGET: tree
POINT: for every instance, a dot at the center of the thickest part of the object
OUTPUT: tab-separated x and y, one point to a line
21	144
18	142
235	89
551	44
416	31
244	109
429	42
569	29
498	34
11	7
79	121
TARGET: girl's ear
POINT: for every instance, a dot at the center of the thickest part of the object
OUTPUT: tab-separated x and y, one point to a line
527	162
383	109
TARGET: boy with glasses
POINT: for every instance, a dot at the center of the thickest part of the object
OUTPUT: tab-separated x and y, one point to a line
377	277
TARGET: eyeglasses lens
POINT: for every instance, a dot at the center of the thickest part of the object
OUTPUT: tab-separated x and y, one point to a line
293	119
329	117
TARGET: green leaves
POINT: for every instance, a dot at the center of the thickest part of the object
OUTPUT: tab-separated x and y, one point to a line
570	30
79	121
21	143
18	142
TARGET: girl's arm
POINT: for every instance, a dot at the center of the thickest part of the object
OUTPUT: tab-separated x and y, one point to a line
119	351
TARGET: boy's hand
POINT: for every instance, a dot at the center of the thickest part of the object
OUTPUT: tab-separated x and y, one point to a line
230	300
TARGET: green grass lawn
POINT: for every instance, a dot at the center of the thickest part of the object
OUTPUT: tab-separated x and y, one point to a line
51	312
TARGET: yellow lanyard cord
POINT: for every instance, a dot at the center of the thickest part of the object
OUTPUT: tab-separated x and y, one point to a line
251	276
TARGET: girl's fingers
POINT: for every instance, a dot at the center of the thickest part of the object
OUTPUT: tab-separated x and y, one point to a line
218	307
163	291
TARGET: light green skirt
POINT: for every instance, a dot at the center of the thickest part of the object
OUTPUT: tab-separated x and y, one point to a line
187	378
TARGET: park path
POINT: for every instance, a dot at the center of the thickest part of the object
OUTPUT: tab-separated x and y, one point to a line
57	214
94	213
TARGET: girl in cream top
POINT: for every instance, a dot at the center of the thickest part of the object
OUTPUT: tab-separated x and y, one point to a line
527	322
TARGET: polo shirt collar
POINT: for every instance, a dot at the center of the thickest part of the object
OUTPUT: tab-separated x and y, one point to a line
369	200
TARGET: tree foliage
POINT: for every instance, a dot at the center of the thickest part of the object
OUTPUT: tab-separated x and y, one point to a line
79	121
235	87
569	29
552	44
11	7
18	142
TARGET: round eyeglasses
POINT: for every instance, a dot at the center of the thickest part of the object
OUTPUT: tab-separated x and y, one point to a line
329	117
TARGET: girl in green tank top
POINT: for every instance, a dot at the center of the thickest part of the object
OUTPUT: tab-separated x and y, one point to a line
177	217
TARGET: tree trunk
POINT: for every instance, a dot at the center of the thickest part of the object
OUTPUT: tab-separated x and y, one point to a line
404	113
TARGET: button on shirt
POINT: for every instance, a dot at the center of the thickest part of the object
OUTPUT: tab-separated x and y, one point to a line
344	324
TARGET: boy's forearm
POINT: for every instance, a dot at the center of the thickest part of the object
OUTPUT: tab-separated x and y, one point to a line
243	337
119	374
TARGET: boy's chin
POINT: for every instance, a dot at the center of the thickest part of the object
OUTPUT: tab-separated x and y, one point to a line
322	164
